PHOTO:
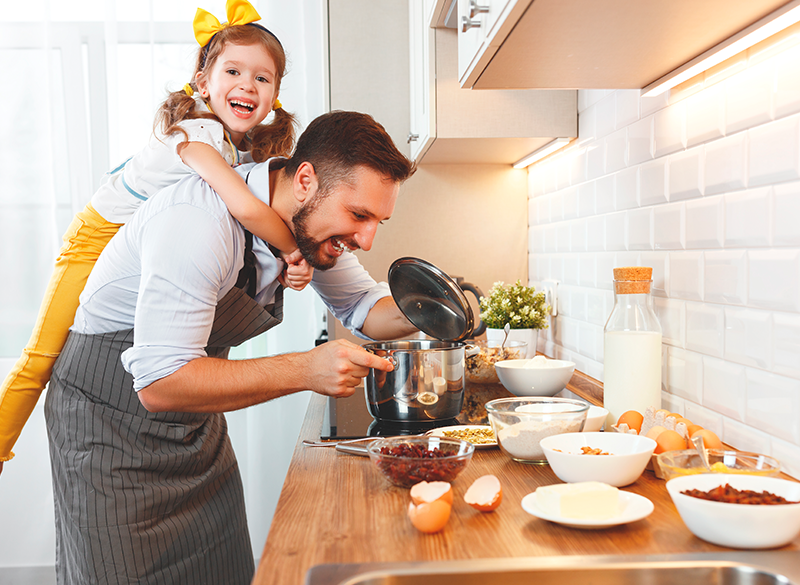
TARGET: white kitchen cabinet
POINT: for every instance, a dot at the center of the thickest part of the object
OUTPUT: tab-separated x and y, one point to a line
452	125
603	44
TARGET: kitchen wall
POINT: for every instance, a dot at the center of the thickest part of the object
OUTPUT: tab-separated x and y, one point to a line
704	186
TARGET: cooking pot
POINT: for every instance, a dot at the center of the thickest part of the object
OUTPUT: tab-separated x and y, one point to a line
427	382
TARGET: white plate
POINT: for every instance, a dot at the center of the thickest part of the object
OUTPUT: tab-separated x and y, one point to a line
634	507
440	433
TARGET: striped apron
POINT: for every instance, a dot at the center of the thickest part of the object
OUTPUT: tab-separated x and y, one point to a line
141	497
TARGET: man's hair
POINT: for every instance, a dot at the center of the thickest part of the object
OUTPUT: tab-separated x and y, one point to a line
338	142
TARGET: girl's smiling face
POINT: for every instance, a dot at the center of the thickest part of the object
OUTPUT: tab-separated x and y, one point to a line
241	86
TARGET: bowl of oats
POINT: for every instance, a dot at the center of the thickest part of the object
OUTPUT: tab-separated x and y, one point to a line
481	436
480	365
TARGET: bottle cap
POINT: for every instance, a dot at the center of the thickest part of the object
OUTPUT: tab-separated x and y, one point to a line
630	280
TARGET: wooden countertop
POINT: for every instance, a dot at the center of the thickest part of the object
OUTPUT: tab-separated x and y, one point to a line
337	508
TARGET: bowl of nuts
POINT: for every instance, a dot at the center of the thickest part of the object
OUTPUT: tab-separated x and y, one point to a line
405	461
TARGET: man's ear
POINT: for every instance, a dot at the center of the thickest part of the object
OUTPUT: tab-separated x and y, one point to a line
305	182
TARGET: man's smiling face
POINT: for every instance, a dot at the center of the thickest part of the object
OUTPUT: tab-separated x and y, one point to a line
345	219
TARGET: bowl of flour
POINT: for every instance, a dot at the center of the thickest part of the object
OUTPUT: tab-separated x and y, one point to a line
521	423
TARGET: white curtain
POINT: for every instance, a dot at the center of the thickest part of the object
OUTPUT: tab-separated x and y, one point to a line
82	82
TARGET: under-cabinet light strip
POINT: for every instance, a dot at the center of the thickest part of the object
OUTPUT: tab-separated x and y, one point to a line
539	154
782	18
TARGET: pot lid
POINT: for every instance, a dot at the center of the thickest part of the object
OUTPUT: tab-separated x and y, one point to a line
430	299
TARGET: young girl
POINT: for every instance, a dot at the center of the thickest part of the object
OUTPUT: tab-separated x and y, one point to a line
206	128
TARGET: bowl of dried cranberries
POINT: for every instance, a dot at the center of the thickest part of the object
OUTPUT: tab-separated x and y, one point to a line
406	461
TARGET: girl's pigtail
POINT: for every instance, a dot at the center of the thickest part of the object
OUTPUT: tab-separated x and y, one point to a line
274	139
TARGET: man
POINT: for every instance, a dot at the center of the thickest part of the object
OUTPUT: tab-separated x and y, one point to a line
146	484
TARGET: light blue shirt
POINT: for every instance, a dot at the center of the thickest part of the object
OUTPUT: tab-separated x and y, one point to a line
180	253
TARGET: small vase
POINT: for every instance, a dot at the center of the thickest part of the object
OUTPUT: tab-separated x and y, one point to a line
529	336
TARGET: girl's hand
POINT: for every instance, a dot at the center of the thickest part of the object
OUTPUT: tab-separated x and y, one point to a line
298	272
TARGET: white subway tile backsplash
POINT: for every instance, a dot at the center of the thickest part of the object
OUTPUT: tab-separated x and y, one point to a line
616	151
724	388
748	218
749	97
787	83
550	237
586	197
578	235
535	180
705	327
685	374
773	404
789	456
668	226
786	214
639	229
625	188
786	344
598	306
705	417
595	234
748	337
672	318
686	174
640	141
705	115
615	231
569	203
587	270
627	104
706	190
686	275
774	279
705	223
604	188
774	152
725	164
725	277
745	438
595	160
604	263
653	183
669	129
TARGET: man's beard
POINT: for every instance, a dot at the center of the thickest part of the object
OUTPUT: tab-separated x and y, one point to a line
310	248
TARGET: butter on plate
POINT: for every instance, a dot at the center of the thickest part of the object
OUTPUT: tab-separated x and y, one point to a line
587	500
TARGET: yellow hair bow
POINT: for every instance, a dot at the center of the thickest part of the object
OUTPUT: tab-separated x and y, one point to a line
206	25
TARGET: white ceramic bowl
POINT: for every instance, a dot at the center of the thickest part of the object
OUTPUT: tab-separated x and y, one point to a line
594	419
546	380
627	458
738	525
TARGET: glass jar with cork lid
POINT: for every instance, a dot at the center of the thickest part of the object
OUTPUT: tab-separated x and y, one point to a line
631	346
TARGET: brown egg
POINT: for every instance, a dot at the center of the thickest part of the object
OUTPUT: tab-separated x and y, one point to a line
655	431
710	439
680	419
692	428
631	418
427	492
485	493
669	441
429	517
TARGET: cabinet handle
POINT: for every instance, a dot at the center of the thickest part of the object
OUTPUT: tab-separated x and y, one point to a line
467	23
412	138
475	8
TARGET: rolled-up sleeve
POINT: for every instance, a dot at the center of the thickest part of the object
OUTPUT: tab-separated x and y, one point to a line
186	263
349	292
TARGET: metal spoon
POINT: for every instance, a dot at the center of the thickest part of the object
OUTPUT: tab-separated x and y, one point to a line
701	449
506	329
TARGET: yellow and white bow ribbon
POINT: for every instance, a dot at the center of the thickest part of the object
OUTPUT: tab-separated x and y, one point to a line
206	25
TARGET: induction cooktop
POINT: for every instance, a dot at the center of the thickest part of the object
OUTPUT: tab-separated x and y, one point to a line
349	418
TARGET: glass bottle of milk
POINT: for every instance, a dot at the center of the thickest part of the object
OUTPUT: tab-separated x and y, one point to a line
632	346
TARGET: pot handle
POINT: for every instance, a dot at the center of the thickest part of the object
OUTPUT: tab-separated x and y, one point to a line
389	358
469	287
